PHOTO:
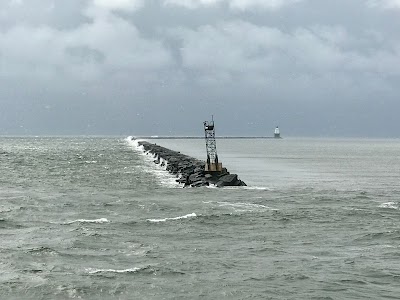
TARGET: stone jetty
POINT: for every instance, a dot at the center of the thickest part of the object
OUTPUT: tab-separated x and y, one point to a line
191	171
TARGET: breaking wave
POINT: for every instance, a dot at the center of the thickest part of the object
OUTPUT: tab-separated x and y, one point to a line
260	188
133	143
148	155
192	215
392	205
99	221
241	207
159	169
97	271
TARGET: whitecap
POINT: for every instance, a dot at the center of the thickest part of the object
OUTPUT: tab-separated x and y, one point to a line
261	188
97	271
91	161
192	215
392	205
99	221
243	205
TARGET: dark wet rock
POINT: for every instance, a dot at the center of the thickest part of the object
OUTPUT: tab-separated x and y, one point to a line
229	180
181	180
191	171
196	177
200	183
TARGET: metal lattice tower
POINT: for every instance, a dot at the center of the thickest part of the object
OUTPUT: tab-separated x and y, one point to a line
211	147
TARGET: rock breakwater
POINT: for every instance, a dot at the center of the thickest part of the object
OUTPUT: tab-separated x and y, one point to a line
190	171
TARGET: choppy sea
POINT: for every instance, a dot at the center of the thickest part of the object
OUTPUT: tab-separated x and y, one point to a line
94	218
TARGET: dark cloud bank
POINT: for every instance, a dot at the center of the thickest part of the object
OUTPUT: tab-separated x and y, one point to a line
157	67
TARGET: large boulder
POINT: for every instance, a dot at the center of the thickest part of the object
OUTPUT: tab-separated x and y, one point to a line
199	183
229	180
195	177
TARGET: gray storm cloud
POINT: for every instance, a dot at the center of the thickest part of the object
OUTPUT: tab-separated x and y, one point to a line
385	4
126	66
103	46
233	4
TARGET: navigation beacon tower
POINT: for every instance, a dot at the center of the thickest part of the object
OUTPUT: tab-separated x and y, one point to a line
277	134
212	164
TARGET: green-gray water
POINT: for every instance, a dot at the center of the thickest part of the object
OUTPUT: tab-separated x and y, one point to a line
94	218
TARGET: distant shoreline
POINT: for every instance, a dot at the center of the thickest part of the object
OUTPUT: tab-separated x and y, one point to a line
202	137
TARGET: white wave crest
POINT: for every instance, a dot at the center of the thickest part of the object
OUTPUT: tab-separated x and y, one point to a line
159	169
192	215
392	205
97	271
99	221
261	188
243	205
91	161
134	143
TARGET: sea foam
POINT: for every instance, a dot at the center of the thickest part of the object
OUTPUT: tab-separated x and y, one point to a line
134	143
159	170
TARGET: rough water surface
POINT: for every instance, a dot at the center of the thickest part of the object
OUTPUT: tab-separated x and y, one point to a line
94	218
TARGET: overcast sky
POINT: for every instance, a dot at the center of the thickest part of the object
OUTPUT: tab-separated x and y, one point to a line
162	67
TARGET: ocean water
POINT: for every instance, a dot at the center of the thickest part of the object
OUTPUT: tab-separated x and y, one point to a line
94	218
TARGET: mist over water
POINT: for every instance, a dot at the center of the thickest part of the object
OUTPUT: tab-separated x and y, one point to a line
94	218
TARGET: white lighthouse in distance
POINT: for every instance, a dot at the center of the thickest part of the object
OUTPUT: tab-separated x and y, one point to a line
277	133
